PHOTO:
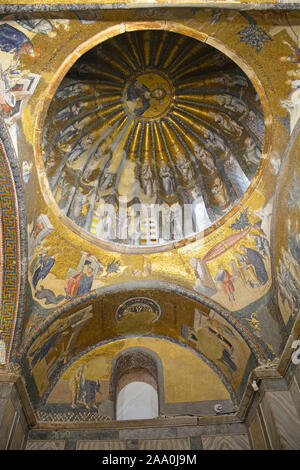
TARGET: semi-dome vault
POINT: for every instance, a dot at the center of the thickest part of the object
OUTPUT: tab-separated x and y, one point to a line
152	136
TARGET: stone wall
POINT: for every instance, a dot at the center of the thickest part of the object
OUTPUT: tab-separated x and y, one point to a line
13	423
226	436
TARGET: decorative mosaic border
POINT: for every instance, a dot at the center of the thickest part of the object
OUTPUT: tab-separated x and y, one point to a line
252	341
13	8
14	244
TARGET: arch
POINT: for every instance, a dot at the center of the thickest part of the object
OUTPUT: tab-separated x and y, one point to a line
138	399
259	351
160	376
137	358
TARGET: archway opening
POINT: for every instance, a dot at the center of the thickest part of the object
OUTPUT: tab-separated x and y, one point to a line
137	400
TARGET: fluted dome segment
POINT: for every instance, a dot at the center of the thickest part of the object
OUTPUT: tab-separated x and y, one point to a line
151	118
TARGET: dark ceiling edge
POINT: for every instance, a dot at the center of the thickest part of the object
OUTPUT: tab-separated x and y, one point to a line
17	8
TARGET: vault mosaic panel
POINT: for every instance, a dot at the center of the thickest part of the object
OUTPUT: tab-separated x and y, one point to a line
151	137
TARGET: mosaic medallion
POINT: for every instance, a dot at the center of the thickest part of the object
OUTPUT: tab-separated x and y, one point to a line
148	96
138	305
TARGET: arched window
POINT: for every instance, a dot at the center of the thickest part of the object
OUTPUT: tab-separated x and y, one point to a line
135	386
137	400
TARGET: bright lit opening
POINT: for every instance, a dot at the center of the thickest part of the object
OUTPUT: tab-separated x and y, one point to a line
137	400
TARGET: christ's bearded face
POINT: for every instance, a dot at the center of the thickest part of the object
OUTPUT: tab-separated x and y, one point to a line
158	93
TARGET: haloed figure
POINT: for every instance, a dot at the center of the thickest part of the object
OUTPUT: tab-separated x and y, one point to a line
147	180
255	259
225	279
166	179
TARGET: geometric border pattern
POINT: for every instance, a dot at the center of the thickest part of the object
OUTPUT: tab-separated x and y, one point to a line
236	5
13	244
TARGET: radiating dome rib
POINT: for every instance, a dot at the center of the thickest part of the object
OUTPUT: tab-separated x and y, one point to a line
157	118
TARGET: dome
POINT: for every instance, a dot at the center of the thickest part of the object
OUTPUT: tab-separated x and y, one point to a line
151	137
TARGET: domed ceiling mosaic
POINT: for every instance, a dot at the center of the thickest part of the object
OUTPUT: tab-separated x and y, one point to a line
152	137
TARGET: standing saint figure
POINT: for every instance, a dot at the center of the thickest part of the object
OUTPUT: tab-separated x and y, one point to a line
205	158
147	179
252	154
81	283
185	169
79	200
246	271
76	385
93	162
256	259
107	179
166	178
46	262
228	125
225	279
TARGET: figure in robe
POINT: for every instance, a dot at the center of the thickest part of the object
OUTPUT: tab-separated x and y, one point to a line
46	262
229	125
12	40
81	283
215	141
256	259
93	162
252	154
90	388
45	347
63	333
79	149
75	384
294	243
138	97
147	180
225	279
230	80
218	194
246	271
79	200
107	179
185	169
67	91
61	190
232	103
291	265
205	159
70	131
68	112
261	242
166	179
